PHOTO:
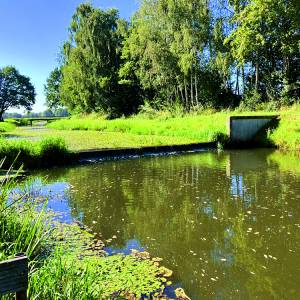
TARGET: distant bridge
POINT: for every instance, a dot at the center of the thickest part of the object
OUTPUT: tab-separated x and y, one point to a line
46	119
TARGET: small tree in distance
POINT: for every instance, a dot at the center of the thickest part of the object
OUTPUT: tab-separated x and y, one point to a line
16	90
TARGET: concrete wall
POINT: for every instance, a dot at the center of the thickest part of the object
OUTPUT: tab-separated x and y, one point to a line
243	129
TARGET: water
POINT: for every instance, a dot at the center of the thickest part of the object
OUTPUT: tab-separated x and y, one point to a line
227	224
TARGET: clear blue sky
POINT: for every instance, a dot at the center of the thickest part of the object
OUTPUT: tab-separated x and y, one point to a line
32	32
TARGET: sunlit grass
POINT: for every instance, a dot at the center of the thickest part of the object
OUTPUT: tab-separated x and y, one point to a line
46	152
84	140
92	132
5	127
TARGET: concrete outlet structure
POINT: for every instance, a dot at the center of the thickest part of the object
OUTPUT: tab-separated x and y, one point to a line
243	129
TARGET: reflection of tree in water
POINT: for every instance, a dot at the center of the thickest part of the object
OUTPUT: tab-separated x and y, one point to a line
212	217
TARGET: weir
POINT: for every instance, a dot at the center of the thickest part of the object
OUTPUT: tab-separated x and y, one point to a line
243	129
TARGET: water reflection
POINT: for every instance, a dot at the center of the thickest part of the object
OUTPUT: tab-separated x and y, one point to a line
227	224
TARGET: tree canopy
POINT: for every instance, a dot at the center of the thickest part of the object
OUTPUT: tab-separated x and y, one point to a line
16	90
195	53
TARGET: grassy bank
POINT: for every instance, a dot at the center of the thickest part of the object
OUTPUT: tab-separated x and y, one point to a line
287	135
67	262
97	133
201	128
34	154
77	140
206	127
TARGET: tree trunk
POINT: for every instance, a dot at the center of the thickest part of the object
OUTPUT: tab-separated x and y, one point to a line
186	96
237	87
196	89
256	74
1	116
243	77
192	91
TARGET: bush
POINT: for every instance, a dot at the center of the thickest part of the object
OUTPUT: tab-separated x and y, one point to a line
44	153
18	122
251	101
5	126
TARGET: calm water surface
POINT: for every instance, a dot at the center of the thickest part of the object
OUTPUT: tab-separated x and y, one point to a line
227	224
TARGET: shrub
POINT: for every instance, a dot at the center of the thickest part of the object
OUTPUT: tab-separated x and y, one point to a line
5	126
44	153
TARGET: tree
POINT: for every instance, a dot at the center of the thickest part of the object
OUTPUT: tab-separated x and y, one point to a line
52	89
266	39
92	58
169	50
16	90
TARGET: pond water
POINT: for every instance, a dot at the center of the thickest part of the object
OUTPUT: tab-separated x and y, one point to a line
227	224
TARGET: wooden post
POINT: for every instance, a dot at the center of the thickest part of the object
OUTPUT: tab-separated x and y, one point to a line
14	277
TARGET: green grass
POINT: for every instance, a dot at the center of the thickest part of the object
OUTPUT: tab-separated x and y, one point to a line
47	152
287	135
6	126
97	133
197	128
77	140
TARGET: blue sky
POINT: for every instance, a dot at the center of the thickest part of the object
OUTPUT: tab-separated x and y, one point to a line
32	32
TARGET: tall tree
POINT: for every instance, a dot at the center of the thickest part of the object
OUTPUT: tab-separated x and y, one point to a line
52	89
169	50
91	65
16	90
267	39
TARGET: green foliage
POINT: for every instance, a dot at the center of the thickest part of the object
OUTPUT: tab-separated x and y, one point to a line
200	54
66	277
47	152
16	90
52	89
23	229
18	122
6	126
92	59
266	39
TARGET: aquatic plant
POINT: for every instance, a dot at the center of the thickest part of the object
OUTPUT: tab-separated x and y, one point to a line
47	152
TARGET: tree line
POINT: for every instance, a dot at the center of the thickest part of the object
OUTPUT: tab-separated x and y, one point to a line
192	53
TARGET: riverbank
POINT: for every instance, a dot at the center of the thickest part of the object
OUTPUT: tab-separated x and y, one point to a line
91	133
69	261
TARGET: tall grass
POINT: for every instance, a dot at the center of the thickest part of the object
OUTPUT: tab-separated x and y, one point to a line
206	127
23	228
34	154
202	128
6	127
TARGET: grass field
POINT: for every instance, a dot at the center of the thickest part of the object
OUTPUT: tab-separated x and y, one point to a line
138	131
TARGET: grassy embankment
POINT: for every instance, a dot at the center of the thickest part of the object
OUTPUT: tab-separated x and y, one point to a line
6	127
67	262
193	129
138	131
88	133
44	153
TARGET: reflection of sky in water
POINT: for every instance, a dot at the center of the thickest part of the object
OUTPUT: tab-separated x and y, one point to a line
131	244
56	194
238	189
